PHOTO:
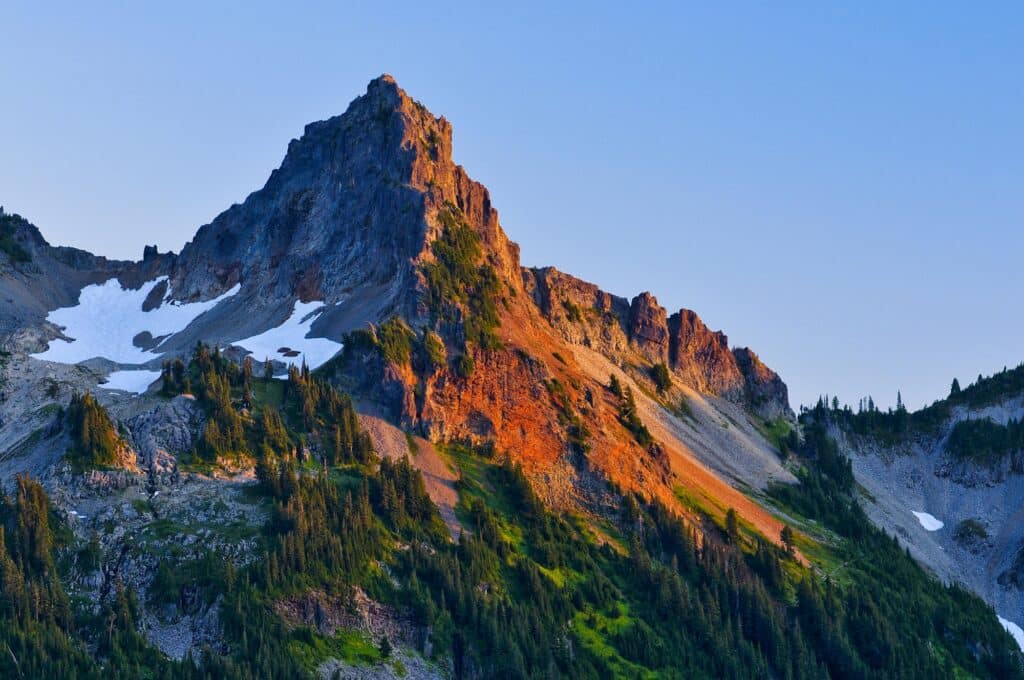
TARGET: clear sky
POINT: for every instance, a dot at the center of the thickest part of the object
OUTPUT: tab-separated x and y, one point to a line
842	189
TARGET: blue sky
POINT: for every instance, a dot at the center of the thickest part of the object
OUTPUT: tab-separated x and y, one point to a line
838	187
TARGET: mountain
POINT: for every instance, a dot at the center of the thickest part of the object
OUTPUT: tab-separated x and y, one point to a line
353	221
345	432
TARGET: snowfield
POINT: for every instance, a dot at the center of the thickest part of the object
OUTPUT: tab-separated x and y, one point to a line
108	317
1013	629
130	381
288	342
929	522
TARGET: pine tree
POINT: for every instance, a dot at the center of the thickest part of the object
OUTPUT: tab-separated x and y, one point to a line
787	538
732	526
661	376
614	386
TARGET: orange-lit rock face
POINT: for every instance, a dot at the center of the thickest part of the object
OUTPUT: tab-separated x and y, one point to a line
702	358
627	332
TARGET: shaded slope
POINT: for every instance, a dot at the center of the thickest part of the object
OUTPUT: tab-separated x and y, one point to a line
911	462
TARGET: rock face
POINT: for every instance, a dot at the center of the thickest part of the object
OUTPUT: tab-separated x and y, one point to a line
702	357
981	542
766	393
349	219
160	434
338	213
648	328
580	312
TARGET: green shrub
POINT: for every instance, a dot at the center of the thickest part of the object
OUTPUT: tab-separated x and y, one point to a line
970	530
395	339
359	339
434	349
577	430
781	434
630	418
572	311
8	224
207	574
464	365
661	377
685	409
90	557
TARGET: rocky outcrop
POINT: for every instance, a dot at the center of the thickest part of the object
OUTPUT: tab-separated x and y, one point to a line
355	611
701	357
339	214
166	430
698	357
648	328
582	313
765	391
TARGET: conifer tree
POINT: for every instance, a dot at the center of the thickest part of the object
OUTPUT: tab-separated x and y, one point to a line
787	538
732	526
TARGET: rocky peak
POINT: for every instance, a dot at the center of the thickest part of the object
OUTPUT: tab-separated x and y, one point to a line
353	207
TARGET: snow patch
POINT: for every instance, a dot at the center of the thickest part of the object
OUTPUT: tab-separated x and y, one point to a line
108	316
1013	629
130	381
929	522
289	343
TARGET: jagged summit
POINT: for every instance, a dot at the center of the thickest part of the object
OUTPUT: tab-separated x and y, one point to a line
350	213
